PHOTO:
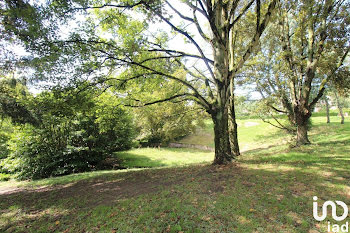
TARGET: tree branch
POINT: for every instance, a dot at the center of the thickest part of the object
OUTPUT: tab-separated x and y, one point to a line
258	33
276	109
203	101
258	11
245	9
199	28
201	10
157	101
329	76
179	13
127	6
185	34
182	53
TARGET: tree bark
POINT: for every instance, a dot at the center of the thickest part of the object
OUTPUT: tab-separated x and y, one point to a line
223	153
220	114
302	135
340	108
233	129
302	128
327	109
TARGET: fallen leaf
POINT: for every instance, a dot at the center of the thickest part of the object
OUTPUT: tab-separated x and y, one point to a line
206	218
168	228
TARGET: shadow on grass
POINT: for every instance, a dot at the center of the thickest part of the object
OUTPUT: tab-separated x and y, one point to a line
236	198
21	207
132	160
324	155
260	149
270	191
272	135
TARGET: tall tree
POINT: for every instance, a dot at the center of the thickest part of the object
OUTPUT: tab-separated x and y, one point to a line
340	106
113	47
309	53
327	109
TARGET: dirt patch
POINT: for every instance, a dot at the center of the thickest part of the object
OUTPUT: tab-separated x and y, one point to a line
9	190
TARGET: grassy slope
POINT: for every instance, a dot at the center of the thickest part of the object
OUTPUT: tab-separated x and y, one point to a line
252	134
270	189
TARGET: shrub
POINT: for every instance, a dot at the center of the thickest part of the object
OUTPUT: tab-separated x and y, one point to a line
6	129
166	122
5	177
70	139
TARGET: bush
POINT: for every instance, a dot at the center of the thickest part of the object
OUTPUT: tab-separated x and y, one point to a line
166	122
5	134
70	138
4	177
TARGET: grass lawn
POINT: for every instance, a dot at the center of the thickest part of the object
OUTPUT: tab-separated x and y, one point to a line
252	134
268	189
154	157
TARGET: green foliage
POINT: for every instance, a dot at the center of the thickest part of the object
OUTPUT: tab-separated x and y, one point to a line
14	96
245	107
5	177
162	123
159	117
6	129
292	72
75	135
54	149
265	112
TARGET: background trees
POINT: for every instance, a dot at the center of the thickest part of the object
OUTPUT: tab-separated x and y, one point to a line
13	97
294	68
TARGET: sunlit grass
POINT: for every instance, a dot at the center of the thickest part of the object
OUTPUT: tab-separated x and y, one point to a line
252	134
159	157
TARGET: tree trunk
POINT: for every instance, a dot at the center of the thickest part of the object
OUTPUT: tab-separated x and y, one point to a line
327	109
302	129
340	108
233	129
302	137
223	153
220	114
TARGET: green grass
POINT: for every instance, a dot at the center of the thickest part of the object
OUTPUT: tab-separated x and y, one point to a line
154	157
269	189
252	134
